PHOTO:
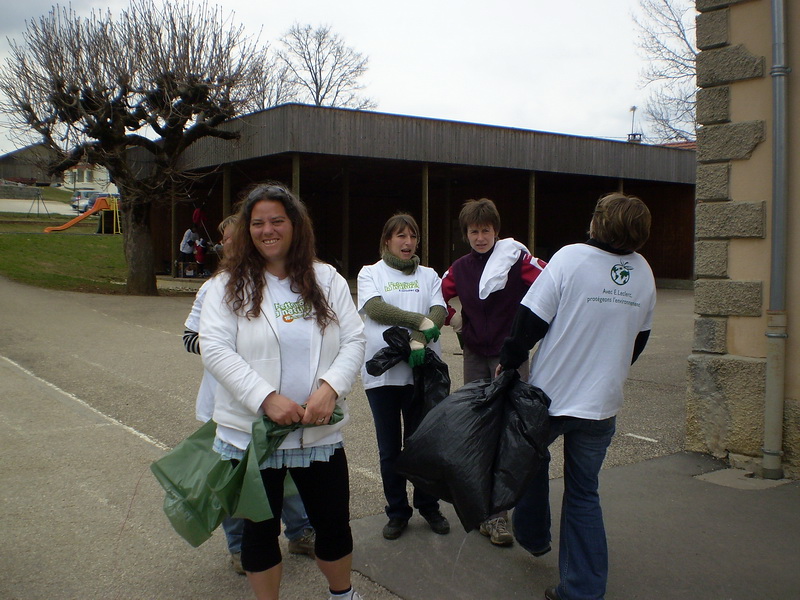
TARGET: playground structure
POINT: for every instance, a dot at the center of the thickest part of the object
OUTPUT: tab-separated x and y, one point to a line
102	203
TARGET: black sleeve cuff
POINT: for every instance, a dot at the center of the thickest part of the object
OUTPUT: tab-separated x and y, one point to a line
639	344
527	329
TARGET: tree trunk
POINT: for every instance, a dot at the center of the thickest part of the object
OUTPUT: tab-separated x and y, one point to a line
138	243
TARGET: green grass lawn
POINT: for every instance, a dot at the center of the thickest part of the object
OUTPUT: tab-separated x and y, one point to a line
76	259
56	194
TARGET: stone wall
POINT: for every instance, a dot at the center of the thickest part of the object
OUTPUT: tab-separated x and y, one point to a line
725	399
19	192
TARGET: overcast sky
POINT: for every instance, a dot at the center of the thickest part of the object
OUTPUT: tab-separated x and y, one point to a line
565	67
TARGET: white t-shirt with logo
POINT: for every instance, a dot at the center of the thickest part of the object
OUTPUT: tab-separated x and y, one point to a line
295	332
596	303
417	292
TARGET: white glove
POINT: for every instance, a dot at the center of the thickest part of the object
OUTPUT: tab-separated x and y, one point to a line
456	322
415	345
426	324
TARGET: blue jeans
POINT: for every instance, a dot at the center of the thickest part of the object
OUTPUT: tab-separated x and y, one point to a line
294	517
395	421
583	552
233	534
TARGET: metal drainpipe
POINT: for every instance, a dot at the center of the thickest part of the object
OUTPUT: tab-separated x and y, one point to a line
776	314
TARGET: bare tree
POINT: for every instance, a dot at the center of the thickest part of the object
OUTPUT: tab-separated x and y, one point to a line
667	41
325	71
274	84
130	93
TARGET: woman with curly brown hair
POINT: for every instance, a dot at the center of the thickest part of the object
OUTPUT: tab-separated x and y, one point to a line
280	333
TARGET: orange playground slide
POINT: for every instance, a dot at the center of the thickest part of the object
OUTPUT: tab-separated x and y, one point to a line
100	204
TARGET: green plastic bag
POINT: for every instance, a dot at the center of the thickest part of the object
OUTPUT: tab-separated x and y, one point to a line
202	488
192	511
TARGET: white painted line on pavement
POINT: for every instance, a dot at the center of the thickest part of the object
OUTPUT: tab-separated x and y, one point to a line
129	429
641	437
139	325
368	473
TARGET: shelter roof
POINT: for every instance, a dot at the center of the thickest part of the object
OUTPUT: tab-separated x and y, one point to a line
297	128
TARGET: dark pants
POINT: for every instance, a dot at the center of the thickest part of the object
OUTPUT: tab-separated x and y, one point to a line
325	490
395	420
477	366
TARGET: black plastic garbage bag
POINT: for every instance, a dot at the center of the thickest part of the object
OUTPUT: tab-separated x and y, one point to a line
398	348
480	447
431	378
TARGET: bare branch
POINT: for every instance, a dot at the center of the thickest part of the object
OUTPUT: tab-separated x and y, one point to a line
667	41
323	69
273	85
154	78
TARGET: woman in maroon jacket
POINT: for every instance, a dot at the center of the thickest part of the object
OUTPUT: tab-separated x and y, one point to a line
483	290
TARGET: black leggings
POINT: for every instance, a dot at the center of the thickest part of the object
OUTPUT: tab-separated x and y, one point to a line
325	490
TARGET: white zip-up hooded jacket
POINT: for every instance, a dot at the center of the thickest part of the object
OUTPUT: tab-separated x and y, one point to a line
244	355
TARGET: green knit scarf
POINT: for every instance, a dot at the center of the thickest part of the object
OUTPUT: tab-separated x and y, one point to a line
406	266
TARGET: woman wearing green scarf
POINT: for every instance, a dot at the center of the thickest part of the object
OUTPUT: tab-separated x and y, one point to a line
397	291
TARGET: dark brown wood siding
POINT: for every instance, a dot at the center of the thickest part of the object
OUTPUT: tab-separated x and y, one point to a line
342	132
383	158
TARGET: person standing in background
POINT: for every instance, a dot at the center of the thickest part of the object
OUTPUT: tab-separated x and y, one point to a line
190	236
483	289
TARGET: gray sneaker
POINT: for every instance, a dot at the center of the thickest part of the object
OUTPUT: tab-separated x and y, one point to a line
497	531
236	563
304	544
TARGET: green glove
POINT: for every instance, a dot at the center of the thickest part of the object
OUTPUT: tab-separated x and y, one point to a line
417	356
432	334
429	329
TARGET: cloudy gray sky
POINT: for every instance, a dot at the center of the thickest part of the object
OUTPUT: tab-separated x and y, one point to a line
565	67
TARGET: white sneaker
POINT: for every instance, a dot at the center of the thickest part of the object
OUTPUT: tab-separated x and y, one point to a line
351	595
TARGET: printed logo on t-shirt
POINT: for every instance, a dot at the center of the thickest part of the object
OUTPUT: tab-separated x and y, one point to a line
402	286
621	273
289	311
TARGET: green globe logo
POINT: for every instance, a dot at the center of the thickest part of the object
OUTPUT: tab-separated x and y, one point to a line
621	273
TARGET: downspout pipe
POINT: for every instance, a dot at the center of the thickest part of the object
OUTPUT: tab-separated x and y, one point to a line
776	314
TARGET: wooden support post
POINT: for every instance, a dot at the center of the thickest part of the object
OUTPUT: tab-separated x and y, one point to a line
346	223
173	238
532	212
425	216
227	204
447	248
296	174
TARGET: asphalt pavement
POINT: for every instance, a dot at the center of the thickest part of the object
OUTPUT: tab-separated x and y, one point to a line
94	388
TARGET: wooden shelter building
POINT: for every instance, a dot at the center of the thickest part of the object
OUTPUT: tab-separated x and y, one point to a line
354	169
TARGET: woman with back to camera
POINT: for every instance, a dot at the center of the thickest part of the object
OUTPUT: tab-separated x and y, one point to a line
592	309
282	337
397	291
